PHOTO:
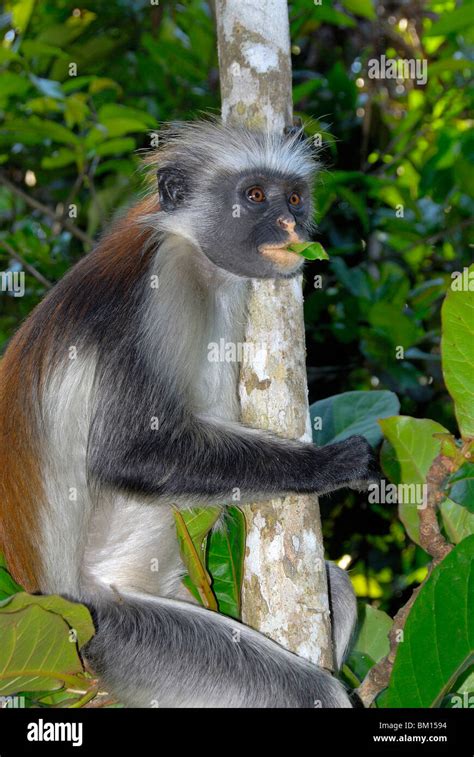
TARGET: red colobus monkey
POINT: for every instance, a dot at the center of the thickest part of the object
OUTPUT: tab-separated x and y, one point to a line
112	414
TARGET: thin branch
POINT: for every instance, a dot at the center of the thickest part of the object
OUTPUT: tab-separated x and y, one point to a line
431	538
74	190
27	266
440	234
103	699
94	195
398	41
86	698
64	222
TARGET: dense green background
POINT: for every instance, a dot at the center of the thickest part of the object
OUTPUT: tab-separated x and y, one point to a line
74	139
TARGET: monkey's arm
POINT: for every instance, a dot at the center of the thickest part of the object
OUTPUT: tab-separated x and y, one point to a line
208	461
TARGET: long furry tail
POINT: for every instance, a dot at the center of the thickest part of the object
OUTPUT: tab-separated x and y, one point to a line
157	652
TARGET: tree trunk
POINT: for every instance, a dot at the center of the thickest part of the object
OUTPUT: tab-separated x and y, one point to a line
285	588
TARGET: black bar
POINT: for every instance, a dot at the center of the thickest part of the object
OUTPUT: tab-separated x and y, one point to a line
315	732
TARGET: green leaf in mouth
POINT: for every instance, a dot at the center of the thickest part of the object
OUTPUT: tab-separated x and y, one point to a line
309	250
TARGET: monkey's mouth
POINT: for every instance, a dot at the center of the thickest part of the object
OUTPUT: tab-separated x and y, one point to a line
279	254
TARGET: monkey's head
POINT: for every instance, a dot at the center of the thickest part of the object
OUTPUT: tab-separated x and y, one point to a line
240	197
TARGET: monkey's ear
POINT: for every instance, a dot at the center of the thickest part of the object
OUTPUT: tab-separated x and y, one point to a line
172	187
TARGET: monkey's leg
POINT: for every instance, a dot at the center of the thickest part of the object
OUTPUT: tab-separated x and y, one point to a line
156	652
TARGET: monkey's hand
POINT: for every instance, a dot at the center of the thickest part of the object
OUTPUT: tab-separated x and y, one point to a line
351	463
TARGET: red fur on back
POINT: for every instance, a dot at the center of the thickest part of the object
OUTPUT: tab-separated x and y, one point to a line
120	257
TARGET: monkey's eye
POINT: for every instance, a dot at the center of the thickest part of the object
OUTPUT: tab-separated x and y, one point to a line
294	199
255	194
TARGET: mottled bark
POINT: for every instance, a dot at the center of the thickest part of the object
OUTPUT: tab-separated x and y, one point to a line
285	588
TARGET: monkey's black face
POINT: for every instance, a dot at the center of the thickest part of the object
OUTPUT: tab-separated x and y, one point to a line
255	217
244	222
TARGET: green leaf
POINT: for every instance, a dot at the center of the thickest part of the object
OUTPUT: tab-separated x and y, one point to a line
462	486
438	640
355	279
452	22
388	320
462	693
192	589
330	16
457	350
309	250
123	166
389	462
77	616
99	83
362	8
116	146
453	64
359	665
31	47
63	34
457	520
36	653
225	561
77	109
8	586
42	129
350	413
6	54
59	158
43	105
372	632
416	448
113	111
464	684
77	82
21	13
193	526
357	203
117	127
13	84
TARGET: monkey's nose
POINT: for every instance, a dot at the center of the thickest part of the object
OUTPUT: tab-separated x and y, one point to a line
288	224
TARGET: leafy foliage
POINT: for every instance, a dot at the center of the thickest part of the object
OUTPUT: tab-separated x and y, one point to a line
458	350
371	642
41	637
336	418
438	644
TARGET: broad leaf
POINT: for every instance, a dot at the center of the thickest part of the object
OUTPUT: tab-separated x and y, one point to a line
389	462
371	642
309	250
438	640
455	21
350	413
193	526
457	350
8	586
372	632
362	8
457	520
358	665
328	15
462	486
416	448
35	653
225	561
77	616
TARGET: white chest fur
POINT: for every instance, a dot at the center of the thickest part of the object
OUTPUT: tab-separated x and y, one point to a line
215	388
